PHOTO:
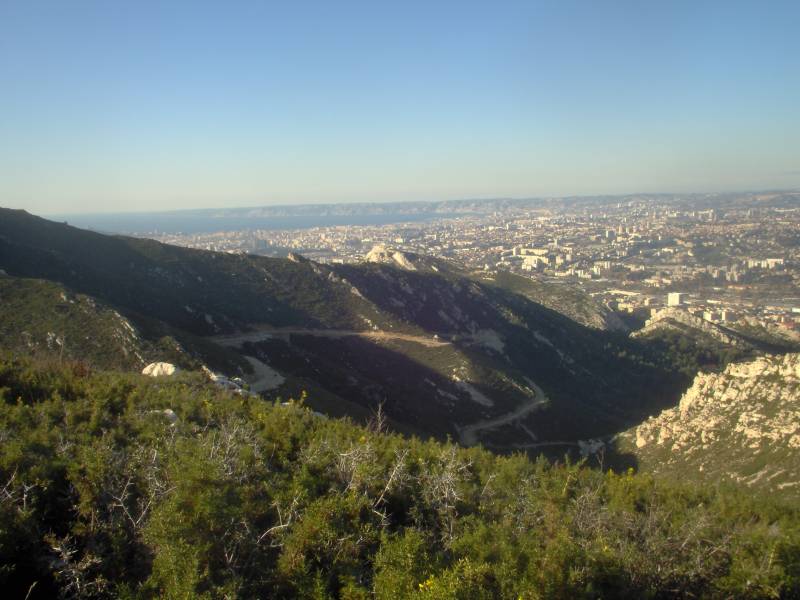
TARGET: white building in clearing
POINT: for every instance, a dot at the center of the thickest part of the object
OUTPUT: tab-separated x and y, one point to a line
676	298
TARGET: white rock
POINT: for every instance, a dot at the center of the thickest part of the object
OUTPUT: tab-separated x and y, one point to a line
382	254
159	369
725	417
168	414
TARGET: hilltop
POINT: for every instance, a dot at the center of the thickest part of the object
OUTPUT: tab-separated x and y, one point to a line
689	343
740	336
569	301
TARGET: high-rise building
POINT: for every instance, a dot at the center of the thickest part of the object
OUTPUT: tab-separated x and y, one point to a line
675	298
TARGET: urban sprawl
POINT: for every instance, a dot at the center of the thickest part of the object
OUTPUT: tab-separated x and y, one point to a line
727	259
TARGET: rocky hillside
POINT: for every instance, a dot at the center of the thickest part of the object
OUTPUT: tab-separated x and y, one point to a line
687	343
46	320
444	352
560	297
564	299
682	321
745	336
409	261
742	424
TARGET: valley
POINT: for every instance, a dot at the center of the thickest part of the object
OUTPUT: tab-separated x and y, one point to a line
468	434
440	349
489	359
399	300
406	395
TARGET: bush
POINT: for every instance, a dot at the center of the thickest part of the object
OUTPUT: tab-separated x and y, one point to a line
102	496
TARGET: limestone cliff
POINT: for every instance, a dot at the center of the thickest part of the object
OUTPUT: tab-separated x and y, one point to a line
742	424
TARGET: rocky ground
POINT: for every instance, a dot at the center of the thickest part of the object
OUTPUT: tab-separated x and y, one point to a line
741	424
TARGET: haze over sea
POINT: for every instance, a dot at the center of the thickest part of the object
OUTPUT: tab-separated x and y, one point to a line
205	221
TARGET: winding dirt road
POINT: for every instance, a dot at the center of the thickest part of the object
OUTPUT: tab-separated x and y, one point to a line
262	334
468	434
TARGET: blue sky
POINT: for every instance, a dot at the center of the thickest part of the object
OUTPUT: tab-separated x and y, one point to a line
161	105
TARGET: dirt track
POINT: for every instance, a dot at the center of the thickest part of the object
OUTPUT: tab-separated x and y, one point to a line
469	433
265	334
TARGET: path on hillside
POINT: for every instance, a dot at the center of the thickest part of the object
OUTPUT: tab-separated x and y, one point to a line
469	433
262	334
264	377
538	445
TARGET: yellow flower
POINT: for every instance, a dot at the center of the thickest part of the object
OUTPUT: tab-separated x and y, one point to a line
426	585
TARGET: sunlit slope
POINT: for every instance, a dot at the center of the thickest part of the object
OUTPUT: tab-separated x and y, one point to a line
738	425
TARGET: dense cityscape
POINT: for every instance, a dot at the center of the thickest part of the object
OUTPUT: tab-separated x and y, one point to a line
726	259
388	301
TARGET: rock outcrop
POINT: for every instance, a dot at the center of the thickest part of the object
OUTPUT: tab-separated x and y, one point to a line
742	424
159	369
678	319
382	254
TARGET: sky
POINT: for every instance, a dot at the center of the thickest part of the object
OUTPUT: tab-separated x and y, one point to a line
139	106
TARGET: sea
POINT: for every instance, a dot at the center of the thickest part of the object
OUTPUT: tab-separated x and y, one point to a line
186	222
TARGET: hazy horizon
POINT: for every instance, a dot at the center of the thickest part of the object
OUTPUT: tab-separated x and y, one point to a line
234	207
145	107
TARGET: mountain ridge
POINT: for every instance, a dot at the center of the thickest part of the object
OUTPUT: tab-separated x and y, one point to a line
496	340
